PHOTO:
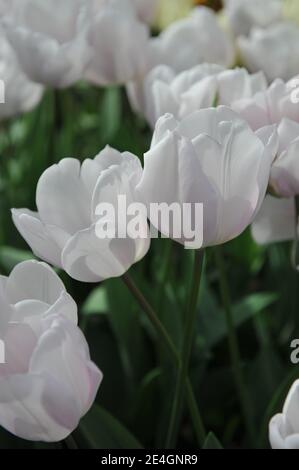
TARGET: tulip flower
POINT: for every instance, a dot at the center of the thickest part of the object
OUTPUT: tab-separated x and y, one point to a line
48	381
19	93
63	231
49	39
162	91
276	219
284	427
120	47
273	50
194	40
270	106
211	157
243	15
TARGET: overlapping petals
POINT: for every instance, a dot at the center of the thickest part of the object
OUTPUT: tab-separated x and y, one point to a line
194	40
210	157
63	231
48	381
19	93
49	39
203	86
284	427
243	15
273	50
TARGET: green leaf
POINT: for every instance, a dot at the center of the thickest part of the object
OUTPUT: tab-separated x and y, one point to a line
111	113
212	325
100	430
10	257
96	302
212	442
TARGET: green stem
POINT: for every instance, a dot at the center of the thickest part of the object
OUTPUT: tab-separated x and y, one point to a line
167	341
186	352
234	348
70	442
165	273
295	247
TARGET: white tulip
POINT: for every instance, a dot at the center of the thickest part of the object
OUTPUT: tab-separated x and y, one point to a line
120	47
63	231
49	39
284	427
19	93
276	219
162	91
210	157
243	15
272	105
277	106
194	40
284	179
273	50
48	381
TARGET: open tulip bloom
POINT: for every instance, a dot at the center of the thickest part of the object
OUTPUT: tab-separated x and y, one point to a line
49	39
163	91
48	381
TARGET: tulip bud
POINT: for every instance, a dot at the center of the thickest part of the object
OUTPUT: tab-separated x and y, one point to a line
284	427
63	231
211	157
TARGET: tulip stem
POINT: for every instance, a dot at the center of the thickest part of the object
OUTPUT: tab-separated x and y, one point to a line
234	347
186	352
70	442
167	341
295	247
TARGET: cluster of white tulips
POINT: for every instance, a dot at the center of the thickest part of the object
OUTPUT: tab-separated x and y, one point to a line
224	136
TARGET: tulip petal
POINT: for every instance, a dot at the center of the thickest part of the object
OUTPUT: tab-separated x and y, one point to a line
62	198
37	235
33	280
63	351
37	407
91	259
